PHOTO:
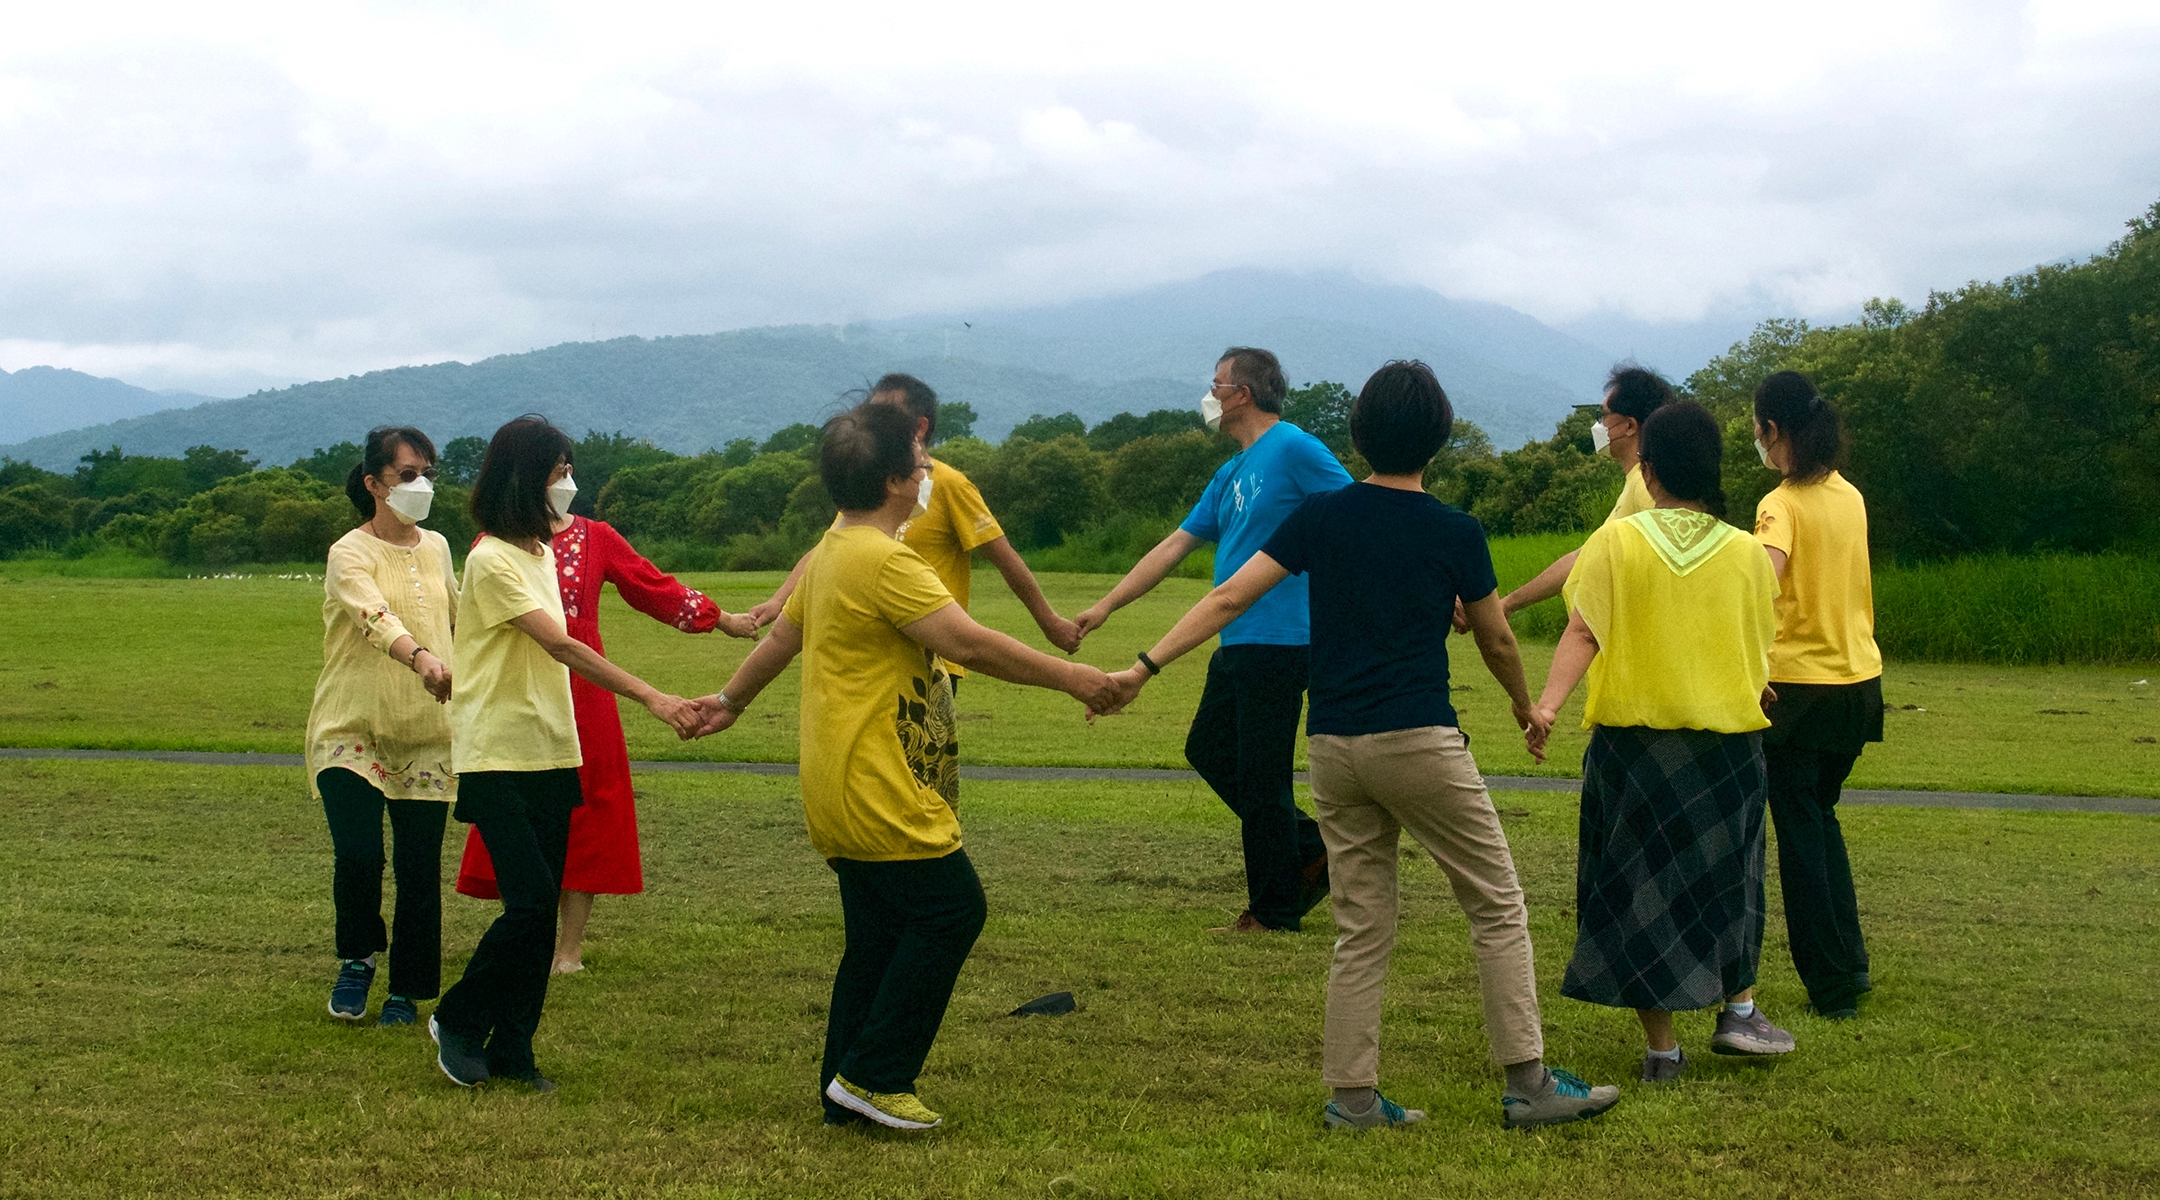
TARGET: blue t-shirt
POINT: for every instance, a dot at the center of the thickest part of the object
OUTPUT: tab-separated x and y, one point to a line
1249	496
1385	568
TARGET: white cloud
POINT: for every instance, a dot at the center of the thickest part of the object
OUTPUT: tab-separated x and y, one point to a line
315	190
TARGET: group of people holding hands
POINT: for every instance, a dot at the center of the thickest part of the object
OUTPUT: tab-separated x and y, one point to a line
1726	675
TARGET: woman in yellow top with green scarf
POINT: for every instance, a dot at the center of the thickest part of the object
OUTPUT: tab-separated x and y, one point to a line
1670	616
1827	673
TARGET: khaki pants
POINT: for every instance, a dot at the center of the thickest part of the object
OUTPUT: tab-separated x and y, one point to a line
1366	791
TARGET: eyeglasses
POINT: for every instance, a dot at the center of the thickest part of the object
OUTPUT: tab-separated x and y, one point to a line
408	474
1212	385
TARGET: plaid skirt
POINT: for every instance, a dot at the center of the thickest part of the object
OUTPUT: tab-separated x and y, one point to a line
1669	868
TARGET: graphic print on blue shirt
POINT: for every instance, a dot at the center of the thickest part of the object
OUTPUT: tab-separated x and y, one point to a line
1384	567
1248	497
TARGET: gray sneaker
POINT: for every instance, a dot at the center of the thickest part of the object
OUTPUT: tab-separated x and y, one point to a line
1663	1070
1751	1035
1384	1114
1565	1098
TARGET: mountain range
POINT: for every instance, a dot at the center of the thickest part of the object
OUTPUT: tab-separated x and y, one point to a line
1506	371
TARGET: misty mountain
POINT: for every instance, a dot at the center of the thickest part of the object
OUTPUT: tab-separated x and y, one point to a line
40	400
1153	349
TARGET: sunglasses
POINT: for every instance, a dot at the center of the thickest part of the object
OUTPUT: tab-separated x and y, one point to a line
408	474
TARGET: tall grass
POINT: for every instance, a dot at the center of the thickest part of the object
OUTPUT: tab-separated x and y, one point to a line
2057	608
1112	546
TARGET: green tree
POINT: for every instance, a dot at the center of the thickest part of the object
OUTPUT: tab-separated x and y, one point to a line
1164	474
1042	490
1039	428
600	455
955	419
461	458
208	466
1322	410
791	438
1124	428
331	465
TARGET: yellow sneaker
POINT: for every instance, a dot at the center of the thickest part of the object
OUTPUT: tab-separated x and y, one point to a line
898	1110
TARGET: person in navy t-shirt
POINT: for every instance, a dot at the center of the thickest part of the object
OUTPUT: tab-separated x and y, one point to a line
1244	736
1386	563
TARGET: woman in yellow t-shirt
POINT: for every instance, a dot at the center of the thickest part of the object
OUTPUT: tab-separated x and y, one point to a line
880	774
1827	673
1670	615
378	741
515	748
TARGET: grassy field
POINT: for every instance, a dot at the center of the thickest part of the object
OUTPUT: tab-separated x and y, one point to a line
230	664
165	956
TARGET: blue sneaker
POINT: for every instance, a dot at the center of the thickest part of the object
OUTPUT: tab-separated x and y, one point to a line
1384	1114
397	1010
463	1061
348	996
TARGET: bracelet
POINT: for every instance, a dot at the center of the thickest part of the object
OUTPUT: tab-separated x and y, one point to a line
1149	663
721	698
417	651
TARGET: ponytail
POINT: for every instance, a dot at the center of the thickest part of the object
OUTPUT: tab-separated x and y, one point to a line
1810	426
381	450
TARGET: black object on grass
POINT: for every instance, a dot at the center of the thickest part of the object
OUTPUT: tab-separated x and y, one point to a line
1056	1004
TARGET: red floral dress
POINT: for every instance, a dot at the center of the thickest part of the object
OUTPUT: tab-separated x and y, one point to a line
603	831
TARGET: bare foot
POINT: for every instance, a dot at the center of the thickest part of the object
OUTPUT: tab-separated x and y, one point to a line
567	968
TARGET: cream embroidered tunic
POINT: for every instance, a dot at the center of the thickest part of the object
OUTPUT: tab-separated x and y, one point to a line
371	715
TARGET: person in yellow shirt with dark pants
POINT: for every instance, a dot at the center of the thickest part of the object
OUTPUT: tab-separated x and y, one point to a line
953	527
1827	672
875	627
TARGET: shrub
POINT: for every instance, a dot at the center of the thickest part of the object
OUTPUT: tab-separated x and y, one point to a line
1042	490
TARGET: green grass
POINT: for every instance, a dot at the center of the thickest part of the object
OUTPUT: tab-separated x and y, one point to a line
2059	608
166	952
230	664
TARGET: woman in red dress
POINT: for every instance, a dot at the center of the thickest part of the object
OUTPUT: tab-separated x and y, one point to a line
603	831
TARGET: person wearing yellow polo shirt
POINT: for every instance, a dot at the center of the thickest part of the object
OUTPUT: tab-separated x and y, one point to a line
1632	393
953	527
1670	615
876	629
1827	673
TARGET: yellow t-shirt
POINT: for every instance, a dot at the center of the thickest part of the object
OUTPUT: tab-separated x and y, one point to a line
1681	606
1826	611
510	700
1634	497
371	716
880	757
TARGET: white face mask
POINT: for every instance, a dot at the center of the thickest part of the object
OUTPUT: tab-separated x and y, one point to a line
1600	437
1211	411
1763	452
922	498
560	494
411	501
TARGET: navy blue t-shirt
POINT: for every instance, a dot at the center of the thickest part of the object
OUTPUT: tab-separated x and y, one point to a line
1385	568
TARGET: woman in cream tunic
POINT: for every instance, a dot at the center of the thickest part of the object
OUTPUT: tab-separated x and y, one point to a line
378	736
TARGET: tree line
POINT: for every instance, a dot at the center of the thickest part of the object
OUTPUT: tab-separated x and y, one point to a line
2017	416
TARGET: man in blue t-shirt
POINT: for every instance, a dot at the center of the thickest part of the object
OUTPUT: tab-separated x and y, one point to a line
1244	736
1386	564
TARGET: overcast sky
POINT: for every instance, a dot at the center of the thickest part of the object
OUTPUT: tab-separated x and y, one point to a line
219	196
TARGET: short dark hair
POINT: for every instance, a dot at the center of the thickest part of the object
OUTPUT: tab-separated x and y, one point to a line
1685	449
510	498
1259	370
382	450
1401	418
1810	425
915	396
862	449
1636	391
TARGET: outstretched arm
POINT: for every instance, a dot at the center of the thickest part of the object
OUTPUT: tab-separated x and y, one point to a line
956	637
1062	633
1202	621
1544	587
586	661
1496	644
758	670
1152	569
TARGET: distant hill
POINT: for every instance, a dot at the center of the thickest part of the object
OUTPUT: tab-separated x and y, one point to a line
1154	349
36	401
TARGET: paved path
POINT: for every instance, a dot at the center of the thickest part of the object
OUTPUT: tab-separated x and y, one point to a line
1518	783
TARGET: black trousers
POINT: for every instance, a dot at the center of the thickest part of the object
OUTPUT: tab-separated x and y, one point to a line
524	820
1822	913
1244	743
355	810
910	926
